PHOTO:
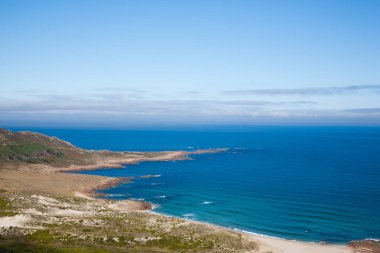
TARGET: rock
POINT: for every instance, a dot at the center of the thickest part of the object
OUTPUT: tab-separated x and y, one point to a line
365	246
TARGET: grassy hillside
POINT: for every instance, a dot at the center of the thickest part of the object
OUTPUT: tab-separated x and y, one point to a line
28	147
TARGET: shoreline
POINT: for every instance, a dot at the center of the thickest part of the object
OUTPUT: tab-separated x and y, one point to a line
121	163
183	155
275	244
56	182
272	244
112	182
114	163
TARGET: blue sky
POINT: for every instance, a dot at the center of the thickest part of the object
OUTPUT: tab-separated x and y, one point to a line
139	63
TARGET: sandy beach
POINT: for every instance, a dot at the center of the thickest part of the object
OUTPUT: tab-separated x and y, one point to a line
288	246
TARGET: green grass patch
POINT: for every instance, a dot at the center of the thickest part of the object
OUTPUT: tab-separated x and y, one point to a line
28	148
178	244
6	208
41	236
20	247
29	152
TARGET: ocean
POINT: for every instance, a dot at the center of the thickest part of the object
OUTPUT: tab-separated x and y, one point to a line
319	184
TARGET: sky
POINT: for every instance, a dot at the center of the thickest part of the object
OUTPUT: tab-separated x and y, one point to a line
178	63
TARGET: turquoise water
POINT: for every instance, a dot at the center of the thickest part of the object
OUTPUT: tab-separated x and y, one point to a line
303	183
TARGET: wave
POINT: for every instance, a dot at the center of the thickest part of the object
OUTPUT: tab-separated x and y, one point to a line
150	176
189	215
156	184
262	235
155	206
138	199
207	202
118	195
371	239
160	197
268	236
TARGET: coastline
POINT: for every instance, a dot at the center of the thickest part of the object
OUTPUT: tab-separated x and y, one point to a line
275	244
267	243
44	182
119	162
293	246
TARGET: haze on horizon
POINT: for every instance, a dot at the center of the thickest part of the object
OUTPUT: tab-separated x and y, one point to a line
144	63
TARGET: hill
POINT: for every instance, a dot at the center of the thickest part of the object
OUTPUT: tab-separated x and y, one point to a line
30	147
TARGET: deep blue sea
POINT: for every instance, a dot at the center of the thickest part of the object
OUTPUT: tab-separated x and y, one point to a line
303	183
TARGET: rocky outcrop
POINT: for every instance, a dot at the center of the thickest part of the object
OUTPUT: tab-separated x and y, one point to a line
365	246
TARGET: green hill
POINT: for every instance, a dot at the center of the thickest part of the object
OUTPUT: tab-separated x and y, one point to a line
31	147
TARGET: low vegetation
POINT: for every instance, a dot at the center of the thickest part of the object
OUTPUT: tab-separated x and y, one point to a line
6	208
35	148
29	153
78	225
